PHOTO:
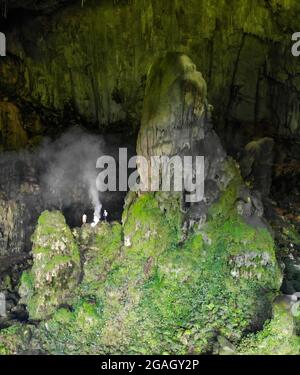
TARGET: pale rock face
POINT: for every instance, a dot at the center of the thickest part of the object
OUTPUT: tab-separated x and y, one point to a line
176	121
175	95
176	116
12	233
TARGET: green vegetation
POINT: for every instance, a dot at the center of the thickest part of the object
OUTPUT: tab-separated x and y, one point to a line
56	267
144	290
14	339
277	337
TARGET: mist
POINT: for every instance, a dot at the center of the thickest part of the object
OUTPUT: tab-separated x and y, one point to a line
61	174
70	170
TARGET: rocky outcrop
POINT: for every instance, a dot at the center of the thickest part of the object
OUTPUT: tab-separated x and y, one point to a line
12	133
256	162
155	284
177	121
279	336
176	277
56	267
95	58
20	202
12	231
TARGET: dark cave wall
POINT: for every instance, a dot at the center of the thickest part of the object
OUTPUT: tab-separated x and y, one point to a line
94	58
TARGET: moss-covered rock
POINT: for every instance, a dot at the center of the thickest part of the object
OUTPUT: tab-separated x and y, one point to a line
15	339
12	232
56	267
103	317
174	278
158	294
277	337
100	247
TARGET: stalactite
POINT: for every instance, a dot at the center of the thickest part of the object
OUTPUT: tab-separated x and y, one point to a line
3	4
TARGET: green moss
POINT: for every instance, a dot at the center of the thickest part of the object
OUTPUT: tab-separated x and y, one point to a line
161	296
291	233
56	267
146	216
145	290
191	294
277	337
225	206
100	247
14	339
27	282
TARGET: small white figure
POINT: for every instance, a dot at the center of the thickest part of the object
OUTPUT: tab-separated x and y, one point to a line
105	214
2	305
96	221
84	219
127	241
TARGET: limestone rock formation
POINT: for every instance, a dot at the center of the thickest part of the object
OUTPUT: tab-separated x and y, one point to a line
256	163
99	247
176	121
156	285
175	277
56	267
12	134
252	76
20	202
279	336
12	232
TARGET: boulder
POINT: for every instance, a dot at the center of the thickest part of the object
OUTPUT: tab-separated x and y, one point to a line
278	337
56	267
257	164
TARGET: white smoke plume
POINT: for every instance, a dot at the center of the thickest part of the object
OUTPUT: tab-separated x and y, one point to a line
71	169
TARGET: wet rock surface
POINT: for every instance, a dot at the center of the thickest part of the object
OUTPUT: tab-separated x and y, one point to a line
256	162
164	268
56	267
177	121
50	177
252	76
155	284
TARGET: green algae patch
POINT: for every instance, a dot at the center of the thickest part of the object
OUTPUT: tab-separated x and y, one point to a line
147	288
